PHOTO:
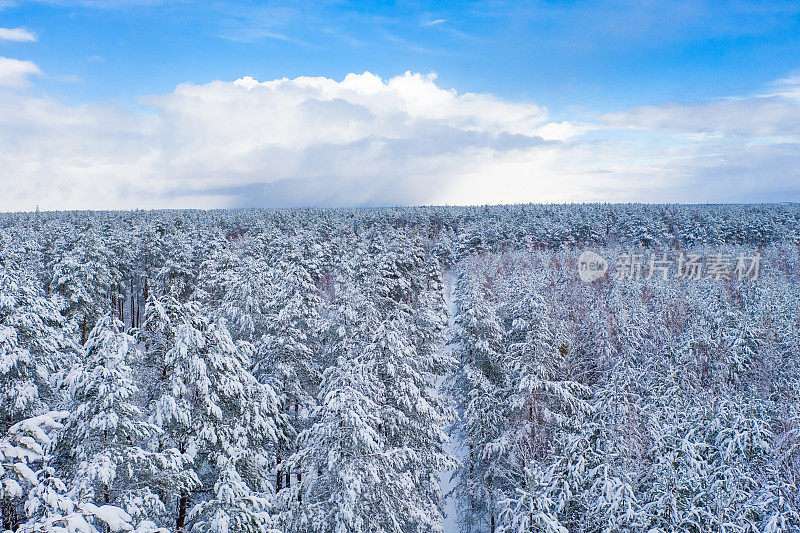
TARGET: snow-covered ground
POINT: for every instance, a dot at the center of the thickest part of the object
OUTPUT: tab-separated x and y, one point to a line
450	523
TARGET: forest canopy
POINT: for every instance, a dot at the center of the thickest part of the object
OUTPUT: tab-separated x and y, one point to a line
399	370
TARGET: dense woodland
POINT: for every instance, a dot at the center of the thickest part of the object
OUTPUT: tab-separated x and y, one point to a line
351	370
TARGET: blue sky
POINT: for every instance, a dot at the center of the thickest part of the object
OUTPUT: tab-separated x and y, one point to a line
598	55
607	70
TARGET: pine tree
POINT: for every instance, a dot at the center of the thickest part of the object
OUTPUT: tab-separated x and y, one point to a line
540	393
107	434
26	472
34	347
343	454
288	351
478	385
372	453
405	351
82	277
209	406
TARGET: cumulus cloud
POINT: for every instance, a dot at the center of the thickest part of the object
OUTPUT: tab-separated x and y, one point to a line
15	73
358	141
20	35
369	141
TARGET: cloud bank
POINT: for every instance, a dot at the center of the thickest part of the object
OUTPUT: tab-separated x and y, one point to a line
369	141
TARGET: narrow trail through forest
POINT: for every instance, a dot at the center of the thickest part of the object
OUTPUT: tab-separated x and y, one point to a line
450	523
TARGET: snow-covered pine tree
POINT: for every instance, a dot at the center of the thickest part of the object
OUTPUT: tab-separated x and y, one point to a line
82	277
212	409
477	385
372	453
541	395
171	258
107	435
340	453
26	473
34	351
343	456
247	299
35	346
23	447
288	351
405	352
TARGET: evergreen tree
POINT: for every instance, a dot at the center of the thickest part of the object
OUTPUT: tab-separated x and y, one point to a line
34	347
289	350
478	385
107	435
83	278
208	404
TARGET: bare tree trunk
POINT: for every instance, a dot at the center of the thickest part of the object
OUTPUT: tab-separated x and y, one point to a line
10	519
180	523
491	507
300	487
107	498
183	501
133	304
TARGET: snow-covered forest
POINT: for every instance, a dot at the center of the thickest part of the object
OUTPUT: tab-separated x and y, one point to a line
375	370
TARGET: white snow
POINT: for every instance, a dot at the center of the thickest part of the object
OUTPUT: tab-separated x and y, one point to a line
450	523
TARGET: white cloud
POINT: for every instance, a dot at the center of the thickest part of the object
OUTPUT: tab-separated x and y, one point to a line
20	35
786	87
15	73
361	140
369	141
761	116
776	113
